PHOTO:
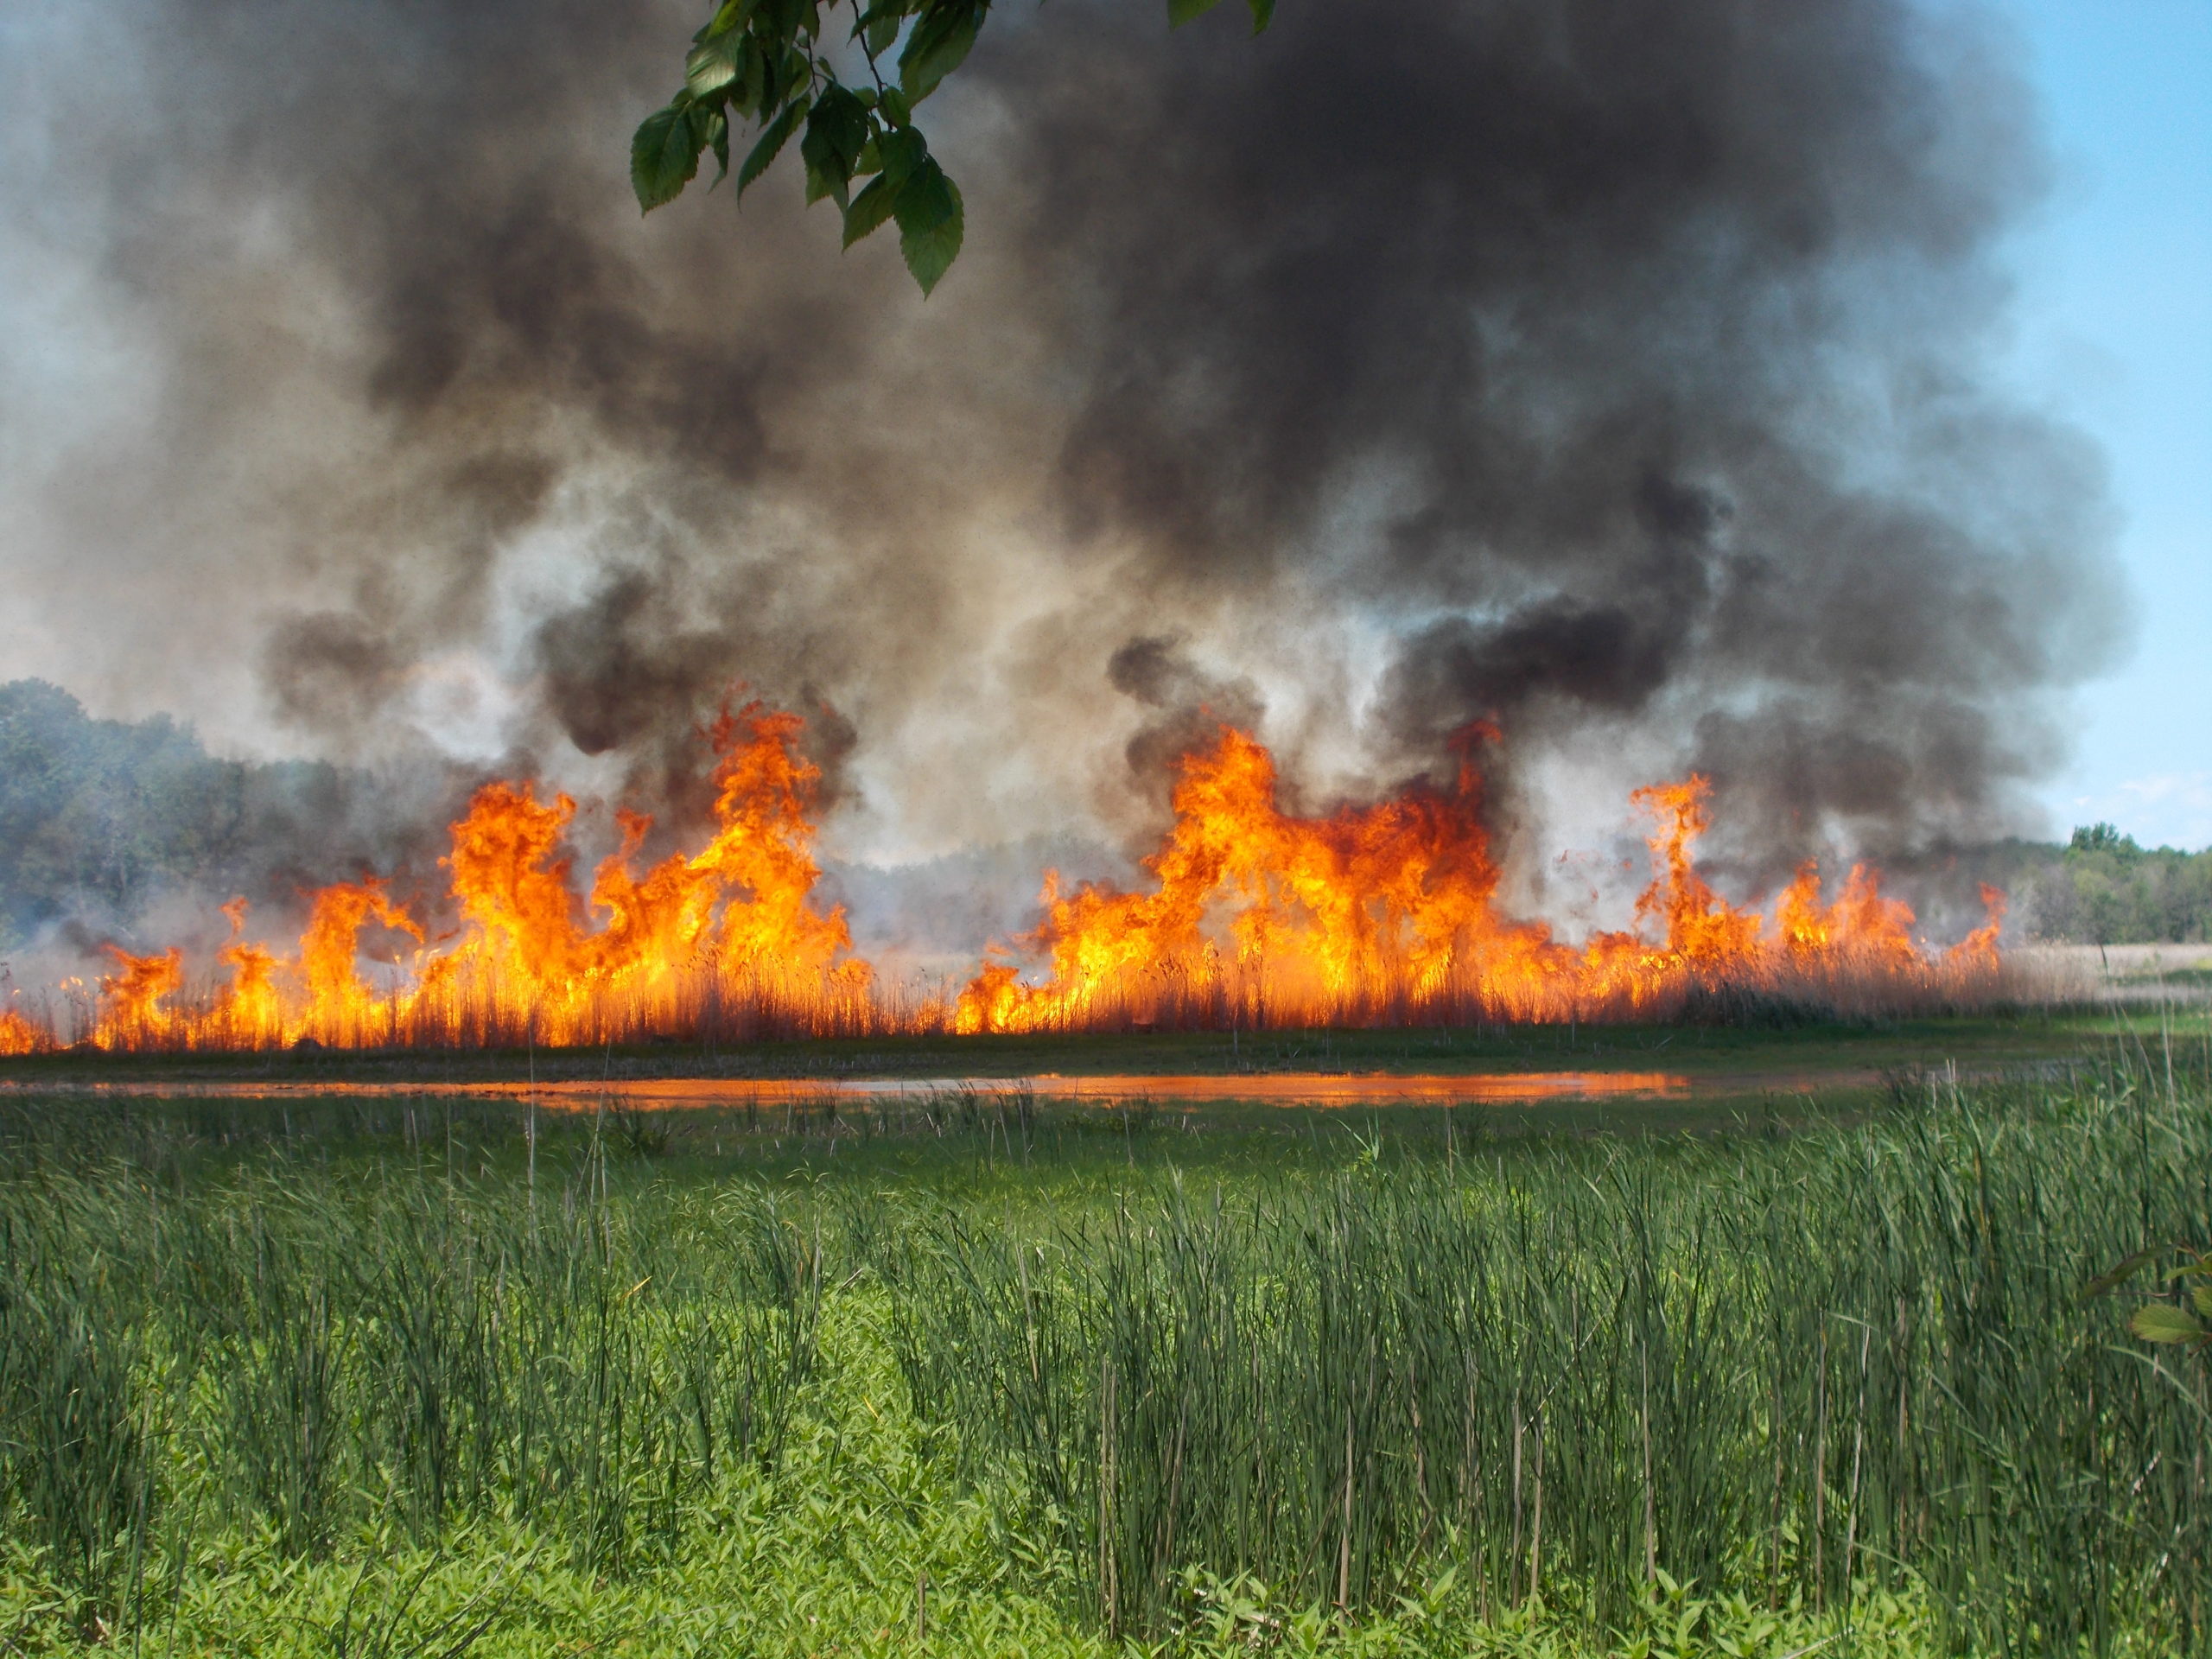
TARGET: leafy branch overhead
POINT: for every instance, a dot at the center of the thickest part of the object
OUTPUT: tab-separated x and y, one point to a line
773	67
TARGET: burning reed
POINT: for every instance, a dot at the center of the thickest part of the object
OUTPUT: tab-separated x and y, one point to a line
1377	914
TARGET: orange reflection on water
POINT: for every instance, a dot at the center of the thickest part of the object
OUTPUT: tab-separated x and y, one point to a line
1270	1088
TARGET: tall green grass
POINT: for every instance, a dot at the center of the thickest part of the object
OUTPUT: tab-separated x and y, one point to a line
308	1350
1797	1369
1372	1369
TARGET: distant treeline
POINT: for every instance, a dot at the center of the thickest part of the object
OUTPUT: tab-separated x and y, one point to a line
2101	888
98	818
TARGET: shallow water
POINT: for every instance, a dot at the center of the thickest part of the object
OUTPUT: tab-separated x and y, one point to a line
1268	1088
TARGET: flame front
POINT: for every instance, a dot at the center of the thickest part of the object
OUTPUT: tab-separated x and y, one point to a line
1252	916
1385	914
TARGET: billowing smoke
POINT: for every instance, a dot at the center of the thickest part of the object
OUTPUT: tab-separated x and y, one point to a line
1621	371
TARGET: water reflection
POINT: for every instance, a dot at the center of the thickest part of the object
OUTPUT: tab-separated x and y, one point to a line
1271	1087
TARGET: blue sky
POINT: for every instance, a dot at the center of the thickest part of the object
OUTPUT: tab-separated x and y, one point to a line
2116	334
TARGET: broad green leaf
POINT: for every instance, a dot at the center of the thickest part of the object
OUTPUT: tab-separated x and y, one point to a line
903	151
712	65
772	139
869	209
896	109
837	132
1181	12
2200	1297
936	48
1263	13
931	221
728	16
2163	1322
664	155
882	29
783	18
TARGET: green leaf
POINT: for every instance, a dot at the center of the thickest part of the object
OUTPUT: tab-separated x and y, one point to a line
931	221
903	152
1263	13
727	18
835	134
718	141
896	109
2200	1297
869	209
664	155
772	139
782	18
936	48
882	29
2126	1270
2163	1322
752	96
712	65
1181	12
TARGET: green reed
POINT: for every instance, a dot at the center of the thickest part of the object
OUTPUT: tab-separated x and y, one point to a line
1802	1368
304	1349
1337	1359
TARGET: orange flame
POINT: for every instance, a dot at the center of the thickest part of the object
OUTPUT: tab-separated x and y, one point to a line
249	1007
1378	913
1385	912
132	1015
21	1035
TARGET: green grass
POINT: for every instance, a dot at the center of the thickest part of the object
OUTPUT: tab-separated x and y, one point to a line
381	1376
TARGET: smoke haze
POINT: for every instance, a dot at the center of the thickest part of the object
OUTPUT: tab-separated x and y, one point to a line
1622	372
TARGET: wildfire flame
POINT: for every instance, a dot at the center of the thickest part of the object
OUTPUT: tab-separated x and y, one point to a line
1384	913
19	1034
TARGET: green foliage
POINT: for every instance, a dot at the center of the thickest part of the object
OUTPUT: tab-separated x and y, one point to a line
373	1376
1783	1369
776	63
2185	1321
2107	890
2099	887
2102	838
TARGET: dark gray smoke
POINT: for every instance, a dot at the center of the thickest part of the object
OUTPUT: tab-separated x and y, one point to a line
1186	706
1628	360
1619	371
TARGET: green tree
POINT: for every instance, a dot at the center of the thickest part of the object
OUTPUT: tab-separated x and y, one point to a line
782	67
2102	838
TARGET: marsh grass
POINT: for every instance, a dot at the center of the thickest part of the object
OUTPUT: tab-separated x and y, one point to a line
389	1376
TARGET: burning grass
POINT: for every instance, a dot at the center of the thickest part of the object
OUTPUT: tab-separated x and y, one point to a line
1254	918
413	1375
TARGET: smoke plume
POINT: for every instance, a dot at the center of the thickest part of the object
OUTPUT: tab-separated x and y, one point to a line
1621	372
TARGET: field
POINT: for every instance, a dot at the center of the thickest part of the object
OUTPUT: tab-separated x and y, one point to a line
1802	1365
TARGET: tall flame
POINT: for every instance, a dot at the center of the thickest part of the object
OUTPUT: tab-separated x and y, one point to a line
20	1034
1385	912
1251	915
